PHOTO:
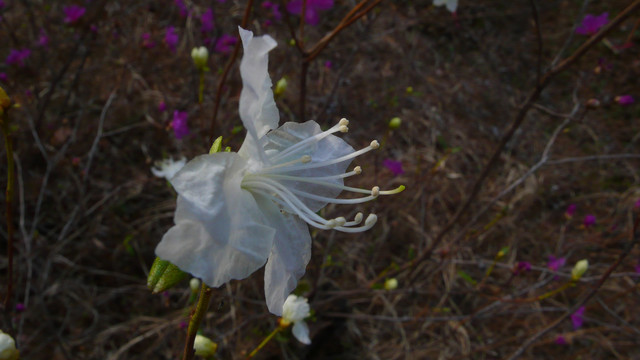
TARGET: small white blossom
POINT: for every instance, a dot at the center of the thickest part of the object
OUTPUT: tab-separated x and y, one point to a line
204	346
237	211
294	311
391	284
451	5
8	349
200	55
167	168
579	269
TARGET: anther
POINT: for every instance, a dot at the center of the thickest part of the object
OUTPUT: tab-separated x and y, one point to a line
332	223
375	191
305	159
343	122
357	170
374	144
358	218
371	220
344	128
340	221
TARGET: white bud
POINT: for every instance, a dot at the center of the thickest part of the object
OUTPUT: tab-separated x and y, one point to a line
194	284
579	269
391	284
204	346
200	55
8	349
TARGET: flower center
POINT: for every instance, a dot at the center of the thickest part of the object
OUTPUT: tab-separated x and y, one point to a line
269	182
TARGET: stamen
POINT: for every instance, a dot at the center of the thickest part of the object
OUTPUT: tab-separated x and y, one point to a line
303	159
357	170
375	144
375	191
368	224
340	126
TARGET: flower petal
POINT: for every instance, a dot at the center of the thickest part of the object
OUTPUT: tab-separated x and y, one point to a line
289	256
331	147
321	4
219	233
258	110
301	332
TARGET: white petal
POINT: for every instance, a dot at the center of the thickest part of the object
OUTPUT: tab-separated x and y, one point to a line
295	308
301	332
219	233
289	256
258	110
330	147
452	5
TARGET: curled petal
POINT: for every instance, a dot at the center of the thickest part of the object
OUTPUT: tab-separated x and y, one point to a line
301	332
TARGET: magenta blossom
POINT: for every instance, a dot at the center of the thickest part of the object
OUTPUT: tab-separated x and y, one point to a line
560	340
20	307
591	24
147	42
522	266
179	124
225	44
1	4
275	9
589	220
555	263
577	318
625	99
18	57
162	106
4	77
171	38
182	8
207	21
313	7
394	166
637	204
328	64
73	13
571	209
43	39
637	268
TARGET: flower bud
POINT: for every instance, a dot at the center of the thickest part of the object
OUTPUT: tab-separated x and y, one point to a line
8	349
395	123
194	284
200	56
281	87
593	103
163	275
579	269
204	346
5	101
391	284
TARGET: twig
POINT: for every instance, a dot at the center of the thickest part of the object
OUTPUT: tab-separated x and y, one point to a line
635	236
6	132
194	322
536	20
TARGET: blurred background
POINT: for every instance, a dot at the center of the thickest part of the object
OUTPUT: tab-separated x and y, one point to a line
99	87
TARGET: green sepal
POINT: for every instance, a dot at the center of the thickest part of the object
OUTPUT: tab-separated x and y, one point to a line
163	275
217	146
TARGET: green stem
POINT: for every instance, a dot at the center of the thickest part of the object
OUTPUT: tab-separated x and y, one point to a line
4	122
194	322
264	342
558	290
201	88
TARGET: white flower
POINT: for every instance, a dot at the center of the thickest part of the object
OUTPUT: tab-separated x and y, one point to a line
200	55
451	5
8	349
294	311
579	269
237	211
167	168
203	346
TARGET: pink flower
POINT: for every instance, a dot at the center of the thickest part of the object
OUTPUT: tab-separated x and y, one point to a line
571	209
560	340
182	8
637	268
207	21
43	39
555	263
591	24
171	38
637	204
275	9
328	64
1	4
225	44
20	307
577	318
589	220
625	99
4	77
162	106
179	124
522	266
147	42
73	13
313	7
17	57
394	166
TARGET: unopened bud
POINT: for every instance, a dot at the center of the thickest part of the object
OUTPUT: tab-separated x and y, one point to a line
8	349
391	284
281	87
194	284
163	275
200	56
204	346
593	103
579	269
395	123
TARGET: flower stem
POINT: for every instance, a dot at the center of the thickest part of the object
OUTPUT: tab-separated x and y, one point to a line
264	342
195	320
558	290
201	87
4	125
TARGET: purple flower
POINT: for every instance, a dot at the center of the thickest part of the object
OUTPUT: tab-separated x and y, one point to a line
171	38
589	220
591	24
555	263
275	9
560	340
1	4
225	44
571	209
182	8
43	39
179	124
147	42
162	106
625	99
394	166
637	268
328	64
522	266
17	57
313	7
93	28
207	21
637	204
4	77
20	307
577	318
73	13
